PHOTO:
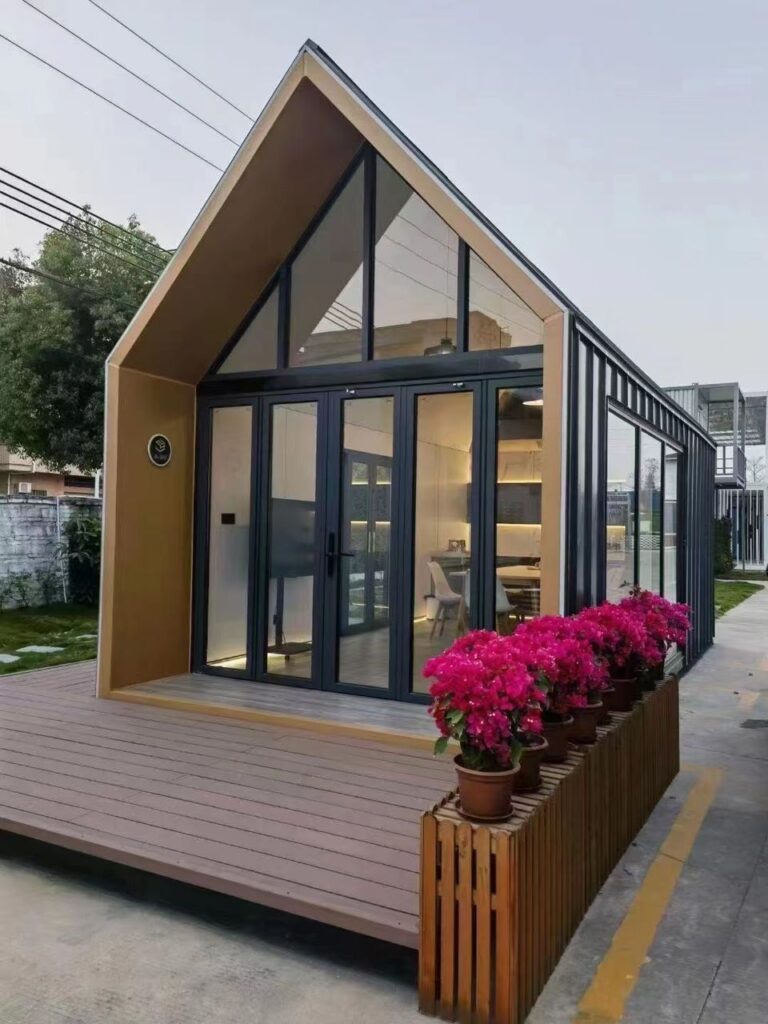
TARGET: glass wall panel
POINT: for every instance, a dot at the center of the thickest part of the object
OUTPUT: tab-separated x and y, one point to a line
327	285
292	539
497	316
442	541
366	516
415	273
517	586
257	347
620	509
650	513
670	523
228	537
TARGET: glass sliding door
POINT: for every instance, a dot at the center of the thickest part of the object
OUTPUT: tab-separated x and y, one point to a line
359	552
620	508
292	504
229	532
442	561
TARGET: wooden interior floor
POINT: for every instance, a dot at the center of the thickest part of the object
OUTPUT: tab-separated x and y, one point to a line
319	826
273	699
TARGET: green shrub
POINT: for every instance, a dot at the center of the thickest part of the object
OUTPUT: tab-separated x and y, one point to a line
83	553
723	549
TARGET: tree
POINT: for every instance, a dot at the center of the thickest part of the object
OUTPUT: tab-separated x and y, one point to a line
756	470
58	323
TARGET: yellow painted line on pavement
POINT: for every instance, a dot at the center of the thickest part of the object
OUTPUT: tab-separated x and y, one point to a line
616	977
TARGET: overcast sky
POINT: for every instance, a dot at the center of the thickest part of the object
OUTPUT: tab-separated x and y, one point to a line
623	147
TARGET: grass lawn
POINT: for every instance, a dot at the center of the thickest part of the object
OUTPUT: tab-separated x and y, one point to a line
746	574
56	625
728	595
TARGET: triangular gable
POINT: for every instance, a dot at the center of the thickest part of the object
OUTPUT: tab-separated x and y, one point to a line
295	153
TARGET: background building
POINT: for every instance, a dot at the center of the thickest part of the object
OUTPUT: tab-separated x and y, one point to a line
737	422
22	476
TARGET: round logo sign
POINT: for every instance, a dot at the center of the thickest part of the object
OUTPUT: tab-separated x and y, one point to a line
159	450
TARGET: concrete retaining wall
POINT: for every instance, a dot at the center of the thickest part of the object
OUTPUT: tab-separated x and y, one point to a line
32	570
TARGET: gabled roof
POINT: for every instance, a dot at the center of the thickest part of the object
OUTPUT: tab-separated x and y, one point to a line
297	149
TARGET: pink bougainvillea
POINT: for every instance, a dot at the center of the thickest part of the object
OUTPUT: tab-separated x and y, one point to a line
666	622
490	691
485	697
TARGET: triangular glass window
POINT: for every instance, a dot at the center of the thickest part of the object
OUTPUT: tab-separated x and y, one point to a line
415	273
257	347
326	320
497	317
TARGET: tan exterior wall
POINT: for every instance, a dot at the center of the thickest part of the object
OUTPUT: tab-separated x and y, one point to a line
552	494
147	548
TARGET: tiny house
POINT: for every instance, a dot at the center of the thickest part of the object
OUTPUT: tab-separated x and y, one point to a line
352	420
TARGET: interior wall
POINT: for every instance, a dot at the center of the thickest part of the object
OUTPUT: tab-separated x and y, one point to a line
147	545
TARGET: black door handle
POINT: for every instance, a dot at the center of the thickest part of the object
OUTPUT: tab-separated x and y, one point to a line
332	554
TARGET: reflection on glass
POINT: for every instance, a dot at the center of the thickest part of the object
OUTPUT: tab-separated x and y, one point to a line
257	347
649	505
670	524
292	527
498	317
620	509
230	521
327	285
415	273
366	515
441	549
517	586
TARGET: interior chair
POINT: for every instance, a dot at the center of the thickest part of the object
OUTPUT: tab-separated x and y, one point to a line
447	599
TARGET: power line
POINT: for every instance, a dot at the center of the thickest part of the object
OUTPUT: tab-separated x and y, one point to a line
123	67
42	274
154	260
112	103
83	233
61	231
83	209
162	53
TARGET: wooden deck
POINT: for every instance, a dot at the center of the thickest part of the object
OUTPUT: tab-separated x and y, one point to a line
326	827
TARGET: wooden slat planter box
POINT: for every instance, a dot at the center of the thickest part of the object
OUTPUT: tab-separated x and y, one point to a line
499	903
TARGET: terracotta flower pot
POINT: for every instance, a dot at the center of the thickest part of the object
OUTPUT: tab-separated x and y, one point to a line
556	733
622	695
604	718
528	779
585	723
485	796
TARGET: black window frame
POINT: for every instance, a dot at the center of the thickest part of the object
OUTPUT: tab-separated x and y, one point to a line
640	425
367	155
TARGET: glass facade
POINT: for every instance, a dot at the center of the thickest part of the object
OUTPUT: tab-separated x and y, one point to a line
415	273
650	513
517	553
326	289
229	532
620	509
366	518
257	347
442	544
642	525
292	539
497	317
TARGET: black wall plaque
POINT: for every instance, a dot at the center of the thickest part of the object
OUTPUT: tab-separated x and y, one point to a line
159	450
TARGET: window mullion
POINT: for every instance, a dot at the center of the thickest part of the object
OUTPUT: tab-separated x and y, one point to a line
369	246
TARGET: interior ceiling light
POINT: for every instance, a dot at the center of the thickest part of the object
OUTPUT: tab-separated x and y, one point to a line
444	348
534	401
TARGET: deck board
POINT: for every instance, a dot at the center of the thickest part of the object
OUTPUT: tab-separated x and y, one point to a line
324	827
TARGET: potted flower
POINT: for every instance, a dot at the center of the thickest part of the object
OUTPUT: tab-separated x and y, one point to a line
485	699
666	623
620	638
571	675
